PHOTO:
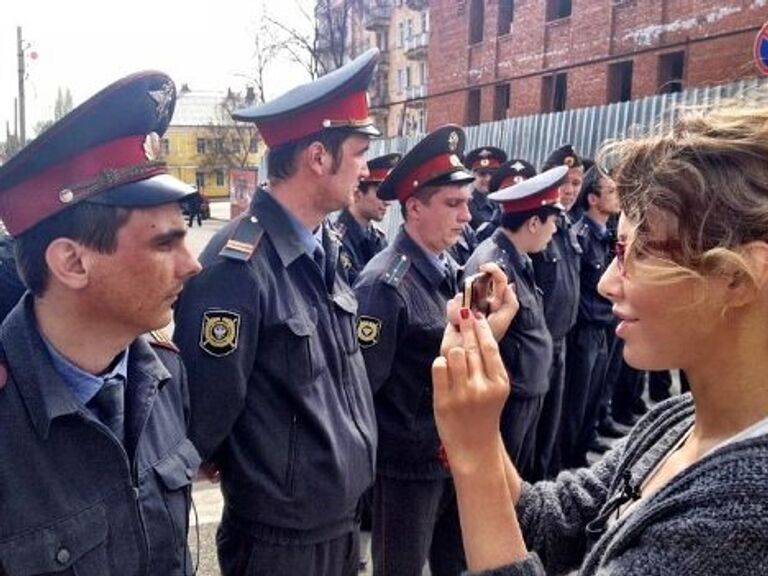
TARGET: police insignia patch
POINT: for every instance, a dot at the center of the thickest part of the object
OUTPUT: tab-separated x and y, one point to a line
368	329
219	332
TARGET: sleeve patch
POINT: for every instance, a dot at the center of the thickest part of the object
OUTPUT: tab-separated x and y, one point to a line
220	332
368	330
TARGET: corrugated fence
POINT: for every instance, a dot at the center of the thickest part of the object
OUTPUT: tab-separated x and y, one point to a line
534	137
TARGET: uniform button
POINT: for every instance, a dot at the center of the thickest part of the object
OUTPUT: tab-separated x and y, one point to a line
188	472
63	556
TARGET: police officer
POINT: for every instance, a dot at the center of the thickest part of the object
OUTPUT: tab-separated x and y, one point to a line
95	464
530	209
509	173
589	341
483	162
361	239
557	271
11	286
402	296
281	403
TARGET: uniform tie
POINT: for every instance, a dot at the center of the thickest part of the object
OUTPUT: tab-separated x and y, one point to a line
109	405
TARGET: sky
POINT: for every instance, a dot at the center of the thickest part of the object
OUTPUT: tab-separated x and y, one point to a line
84	45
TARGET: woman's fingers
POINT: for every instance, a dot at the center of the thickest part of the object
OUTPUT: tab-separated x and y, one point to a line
474	359
498	282
489	350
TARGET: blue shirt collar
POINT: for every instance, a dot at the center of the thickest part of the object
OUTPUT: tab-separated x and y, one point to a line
309	240
81	383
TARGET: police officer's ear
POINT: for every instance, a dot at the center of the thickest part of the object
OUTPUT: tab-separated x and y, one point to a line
318	159
67	263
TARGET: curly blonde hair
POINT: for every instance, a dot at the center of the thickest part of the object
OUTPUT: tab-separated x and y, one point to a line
706	180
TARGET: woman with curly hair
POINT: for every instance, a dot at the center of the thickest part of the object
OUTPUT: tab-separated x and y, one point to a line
685	492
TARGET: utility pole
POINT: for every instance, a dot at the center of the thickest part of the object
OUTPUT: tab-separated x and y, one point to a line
22	122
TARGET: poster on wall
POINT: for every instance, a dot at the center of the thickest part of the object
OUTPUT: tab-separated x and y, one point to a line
242	186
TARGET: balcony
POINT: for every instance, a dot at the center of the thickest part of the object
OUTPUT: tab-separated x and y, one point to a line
417	4
416	95
379	99
377	18
416	46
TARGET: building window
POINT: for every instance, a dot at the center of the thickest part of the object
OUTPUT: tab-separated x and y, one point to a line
400	34
473	107
501	102
219	178
671	68
620	82
381	41
422	73
200	180
409	28
557	9
554	92
165	146
219	145
400	80
236	145
408	81
253	147
476	21
425	21
201	145
506	16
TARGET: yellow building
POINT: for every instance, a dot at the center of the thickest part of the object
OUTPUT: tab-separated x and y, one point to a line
202	143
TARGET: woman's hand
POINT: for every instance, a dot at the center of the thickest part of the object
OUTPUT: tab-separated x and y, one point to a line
503	305
470	388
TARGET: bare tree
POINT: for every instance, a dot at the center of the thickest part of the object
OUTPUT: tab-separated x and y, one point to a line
230	143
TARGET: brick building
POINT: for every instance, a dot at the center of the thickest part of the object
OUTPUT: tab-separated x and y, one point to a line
494	59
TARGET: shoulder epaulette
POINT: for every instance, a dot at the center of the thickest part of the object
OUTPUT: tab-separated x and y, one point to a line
244	239
396	269
160	338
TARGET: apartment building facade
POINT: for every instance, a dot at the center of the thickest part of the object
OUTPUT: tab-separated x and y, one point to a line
495	59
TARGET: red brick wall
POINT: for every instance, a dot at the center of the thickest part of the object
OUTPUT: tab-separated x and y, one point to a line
717	37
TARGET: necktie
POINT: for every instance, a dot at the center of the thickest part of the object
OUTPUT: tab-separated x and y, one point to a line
109	405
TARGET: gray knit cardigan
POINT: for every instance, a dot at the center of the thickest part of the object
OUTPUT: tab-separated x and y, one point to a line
710	520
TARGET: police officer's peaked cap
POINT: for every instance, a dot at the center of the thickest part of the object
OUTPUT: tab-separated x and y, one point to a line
543	190
105	151
379	167
563	156
486	158
433	161
337	100
511	172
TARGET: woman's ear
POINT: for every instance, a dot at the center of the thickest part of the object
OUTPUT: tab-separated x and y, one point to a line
65	260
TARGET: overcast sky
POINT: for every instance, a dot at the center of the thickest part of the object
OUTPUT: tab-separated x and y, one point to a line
84	45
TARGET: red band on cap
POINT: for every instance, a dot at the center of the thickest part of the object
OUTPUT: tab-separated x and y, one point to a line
378	174
349	110
44	193
485	164
543	198
424	173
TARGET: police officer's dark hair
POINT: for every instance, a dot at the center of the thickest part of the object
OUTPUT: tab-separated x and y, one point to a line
590	185
515	220
92	225
424	194
281	160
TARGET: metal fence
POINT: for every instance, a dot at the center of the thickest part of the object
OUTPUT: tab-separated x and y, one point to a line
534	137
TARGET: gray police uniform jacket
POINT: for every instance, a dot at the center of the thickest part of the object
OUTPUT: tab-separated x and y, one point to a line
73	500
711	519
280	396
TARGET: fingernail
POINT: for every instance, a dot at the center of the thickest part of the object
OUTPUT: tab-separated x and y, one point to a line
464	313
479	315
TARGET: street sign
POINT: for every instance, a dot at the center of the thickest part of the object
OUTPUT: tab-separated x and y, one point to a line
760	49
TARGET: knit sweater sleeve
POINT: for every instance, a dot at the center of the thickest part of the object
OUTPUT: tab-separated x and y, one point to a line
553	517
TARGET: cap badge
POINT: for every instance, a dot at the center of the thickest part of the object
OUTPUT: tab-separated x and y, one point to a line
66	196
152	146
484	153
453	141
163	99
518	166
484	162
569	161
517	179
